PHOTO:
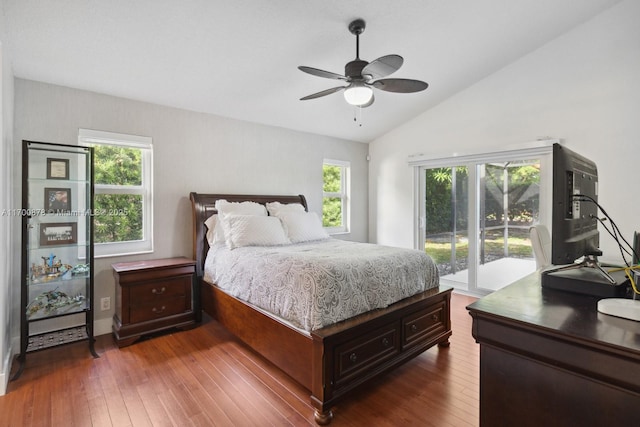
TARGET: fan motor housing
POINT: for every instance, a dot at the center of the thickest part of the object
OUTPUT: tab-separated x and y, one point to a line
354	68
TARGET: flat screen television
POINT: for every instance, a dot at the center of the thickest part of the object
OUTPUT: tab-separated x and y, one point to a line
574	220
574	230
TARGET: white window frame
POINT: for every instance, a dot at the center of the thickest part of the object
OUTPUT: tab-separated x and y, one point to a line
89	137
344	195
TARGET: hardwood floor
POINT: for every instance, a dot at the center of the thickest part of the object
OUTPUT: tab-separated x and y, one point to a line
205	377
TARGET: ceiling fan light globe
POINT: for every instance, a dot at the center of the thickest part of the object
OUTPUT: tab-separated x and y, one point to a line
358	94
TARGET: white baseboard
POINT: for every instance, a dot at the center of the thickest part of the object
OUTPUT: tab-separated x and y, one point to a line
6	369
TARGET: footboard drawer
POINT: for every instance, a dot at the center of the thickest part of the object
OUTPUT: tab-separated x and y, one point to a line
424	324
365	353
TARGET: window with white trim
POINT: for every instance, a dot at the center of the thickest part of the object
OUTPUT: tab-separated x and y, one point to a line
335	196
123	204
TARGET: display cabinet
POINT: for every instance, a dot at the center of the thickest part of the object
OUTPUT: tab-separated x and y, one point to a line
57	247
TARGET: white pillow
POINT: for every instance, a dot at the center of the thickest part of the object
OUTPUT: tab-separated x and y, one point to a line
276	208
215	234
303	226
240	208
253	230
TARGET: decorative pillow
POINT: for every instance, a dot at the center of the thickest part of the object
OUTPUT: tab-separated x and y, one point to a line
240	208
303	226
276	208
215	234
253	230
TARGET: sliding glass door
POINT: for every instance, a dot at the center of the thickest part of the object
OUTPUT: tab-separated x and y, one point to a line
475	219
446	202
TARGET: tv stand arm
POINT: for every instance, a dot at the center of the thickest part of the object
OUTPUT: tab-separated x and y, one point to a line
589	261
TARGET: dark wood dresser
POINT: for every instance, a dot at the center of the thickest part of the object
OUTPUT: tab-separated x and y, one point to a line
152	296
548	358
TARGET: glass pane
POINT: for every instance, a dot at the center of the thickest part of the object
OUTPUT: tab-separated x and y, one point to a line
117	165
332	212
118	218
332	178
509	205
446	227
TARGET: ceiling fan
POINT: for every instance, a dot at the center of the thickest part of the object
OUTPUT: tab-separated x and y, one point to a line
362	76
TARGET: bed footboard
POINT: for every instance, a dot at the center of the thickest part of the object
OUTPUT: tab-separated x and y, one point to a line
352	352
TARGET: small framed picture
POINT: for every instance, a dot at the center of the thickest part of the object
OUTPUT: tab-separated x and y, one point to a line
57	200
57	168
58	233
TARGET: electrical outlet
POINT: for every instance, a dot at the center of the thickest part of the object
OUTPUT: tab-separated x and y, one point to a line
105	303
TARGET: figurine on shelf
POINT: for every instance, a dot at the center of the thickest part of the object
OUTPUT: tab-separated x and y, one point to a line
53	302
49	270
80	269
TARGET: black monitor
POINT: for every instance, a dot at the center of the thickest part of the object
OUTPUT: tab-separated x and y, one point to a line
574	219
574	230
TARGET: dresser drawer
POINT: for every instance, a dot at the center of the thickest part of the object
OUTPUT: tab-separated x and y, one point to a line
159	289
158	309
424	324
365	353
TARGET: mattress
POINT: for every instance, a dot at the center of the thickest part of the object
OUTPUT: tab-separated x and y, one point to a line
315	284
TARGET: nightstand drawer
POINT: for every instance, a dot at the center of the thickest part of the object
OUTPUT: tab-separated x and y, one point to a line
158	309
159	289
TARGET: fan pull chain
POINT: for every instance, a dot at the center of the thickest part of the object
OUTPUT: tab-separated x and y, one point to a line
357	115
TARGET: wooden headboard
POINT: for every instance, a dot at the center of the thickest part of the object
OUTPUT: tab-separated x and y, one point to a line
203	206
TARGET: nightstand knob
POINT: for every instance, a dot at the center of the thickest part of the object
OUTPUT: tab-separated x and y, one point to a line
156	311
414	327
158	292
353	358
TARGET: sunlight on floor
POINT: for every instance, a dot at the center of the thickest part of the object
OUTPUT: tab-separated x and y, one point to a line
495	274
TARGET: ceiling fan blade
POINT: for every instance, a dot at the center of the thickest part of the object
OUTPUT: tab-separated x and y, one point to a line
400	85
382	66
321	73
323	93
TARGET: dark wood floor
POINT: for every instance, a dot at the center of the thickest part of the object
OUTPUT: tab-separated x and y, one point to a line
205	377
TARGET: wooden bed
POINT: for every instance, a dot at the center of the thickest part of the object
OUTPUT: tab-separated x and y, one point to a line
334	360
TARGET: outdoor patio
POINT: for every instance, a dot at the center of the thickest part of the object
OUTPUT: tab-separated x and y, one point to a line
493	275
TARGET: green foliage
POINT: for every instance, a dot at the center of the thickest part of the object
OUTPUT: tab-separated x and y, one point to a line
332	178
331	212
332	206
118	217
438	200
117	165
522	196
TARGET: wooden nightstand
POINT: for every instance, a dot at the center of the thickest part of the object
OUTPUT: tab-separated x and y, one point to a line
152	296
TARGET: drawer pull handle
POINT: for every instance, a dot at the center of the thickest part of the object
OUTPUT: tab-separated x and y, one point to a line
385	342
414	327
156	311
434	317
353	358
158	292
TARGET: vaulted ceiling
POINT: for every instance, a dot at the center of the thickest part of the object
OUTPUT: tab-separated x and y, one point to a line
239	58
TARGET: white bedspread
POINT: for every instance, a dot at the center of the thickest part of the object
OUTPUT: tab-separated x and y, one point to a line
319	283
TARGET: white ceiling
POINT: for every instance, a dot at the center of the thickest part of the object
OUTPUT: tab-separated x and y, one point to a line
239	58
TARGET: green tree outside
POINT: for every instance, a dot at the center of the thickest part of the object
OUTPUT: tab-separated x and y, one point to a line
118	216
332	206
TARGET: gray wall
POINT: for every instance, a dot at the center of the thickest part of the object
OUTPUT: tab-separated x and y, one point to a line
192	152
